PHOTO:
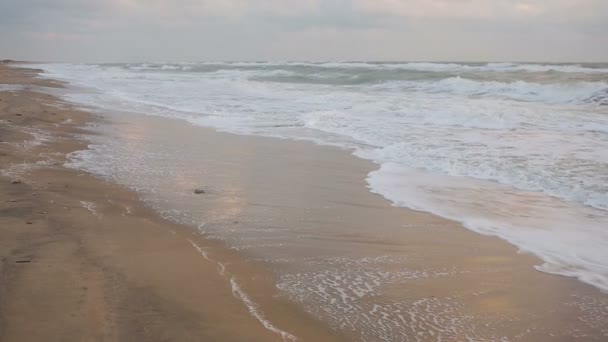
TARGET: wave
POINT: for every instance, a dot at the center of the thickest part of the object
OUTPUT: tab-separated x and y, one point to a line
570	241
420	77
443	67
564	93
411	66
551	93
521	134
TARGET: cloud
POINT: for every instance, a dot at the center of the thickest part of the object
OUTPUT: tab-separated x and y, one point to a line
320	29
223	8
486	9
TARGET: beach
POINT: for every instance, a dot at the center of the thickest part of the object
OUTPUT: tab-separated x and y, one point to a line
286	241
84	260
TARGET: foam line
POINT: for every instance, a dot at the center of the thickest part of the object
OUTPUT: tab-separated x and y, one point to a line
240	294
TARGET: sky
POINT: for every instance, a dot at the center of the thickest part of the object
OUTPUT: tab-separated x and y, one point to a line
319	30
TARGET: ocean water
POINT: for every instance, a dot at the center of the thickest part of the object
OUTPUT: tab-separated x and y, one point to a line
519	151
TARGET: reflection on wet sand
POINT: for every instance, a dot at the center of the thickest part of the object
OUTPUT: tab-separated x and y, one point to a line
343	254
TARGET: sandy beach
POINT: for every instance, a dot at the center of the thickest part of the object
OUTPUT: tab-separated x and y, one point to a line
84	259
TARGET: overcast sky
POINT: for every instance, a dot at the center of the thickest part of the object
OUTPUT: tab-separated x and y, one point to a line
212	30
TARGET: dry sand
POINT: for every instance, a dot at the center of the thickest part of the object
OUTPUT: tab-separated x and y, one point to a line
83	259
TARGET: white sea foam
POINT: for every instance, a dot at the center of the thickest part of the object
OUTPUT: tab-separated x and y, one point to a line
414	66
11	87
568	93
534	137
348	294
90	206
220	266
255	312
571	240
240	294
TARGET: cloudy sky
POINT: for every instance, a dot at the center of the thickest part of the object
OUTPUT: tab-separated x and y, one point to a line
196	30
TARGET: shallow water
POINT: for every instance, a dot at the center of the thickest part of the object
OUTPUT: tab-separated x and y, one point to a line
369	270
513	150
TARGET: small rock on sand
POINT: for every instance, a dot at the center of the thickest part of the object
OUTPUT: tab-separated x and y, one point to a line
16	181
199	191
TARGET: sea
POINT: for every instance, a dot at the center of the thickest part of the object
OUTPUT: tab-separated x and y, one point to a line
513	150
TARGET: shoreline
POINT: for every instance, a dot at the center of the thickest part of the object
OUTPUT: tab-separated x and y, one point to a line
486	251
84	259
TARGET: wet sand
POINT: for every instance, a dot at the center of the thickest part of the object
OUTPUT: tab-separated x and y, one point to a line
371	270
84	259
